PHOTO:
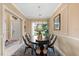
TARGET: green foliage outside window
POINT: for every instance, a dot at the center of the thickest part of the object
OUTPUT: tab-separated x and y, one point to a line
41	29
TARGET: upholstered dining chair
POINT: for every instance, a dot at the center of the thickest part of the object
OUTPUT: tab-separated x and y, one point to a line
34	44
42	52
45	50
42	48
51	43
28	45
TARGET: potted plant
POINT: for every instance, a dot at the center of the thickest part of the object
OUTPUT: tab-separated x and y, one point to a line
41	31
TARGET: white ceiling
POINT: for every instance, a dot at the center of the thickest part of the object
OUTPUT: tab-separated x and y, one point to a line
32	10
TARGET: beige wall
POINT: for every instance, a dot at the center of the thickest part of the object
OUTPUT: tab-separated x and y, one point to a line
0	28
12	10
28	26
68	36
74	20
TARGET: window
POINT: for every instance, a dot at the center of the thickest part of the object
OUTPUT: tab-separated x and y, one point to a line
39	26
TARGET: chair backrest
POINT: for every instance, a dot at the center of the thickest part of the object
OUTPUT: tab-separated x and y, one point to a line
27	34
25	41
28	37
50	37
53	40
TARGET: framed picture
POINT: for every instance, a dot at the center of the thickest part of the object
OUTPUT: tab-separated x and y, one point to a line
57	22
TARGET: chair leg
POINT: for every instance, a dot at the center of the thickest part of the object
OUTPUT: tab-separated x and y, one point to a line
25	50
32	51
53	50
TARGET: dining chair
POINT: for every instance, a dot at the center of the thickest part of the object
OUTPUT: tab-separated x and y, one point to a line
51	43
45	50
41	51
28	45
42	48
34	44
37	50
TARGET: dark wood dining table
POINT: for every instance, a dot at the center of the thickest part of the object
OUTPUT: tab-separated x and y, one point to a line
42	42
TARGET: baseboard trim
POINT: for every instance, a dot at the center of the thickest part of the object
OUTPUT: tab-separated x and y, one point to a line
59	51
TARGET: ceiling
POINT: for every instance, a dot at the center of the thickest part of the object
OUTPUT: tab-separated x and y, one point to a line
37	10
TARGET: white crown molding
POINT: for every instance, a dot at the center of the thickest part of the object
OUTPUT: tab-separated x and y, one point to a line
19	10
56	9
12	12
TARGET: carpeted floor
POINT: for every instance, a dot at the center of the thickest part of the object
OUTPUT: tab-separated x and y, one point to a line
20	52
